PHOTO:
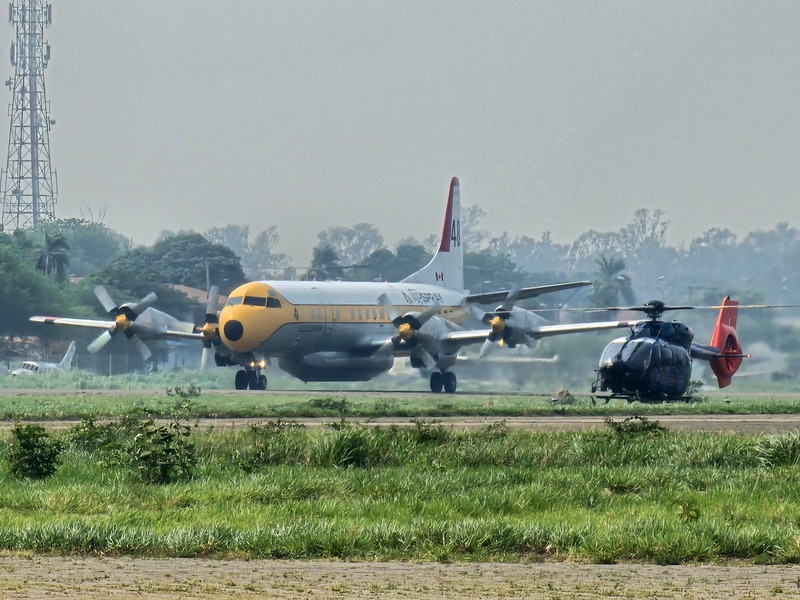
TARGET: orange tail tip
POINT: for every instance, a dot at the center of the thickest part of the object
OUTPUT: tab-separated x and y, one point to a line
725	340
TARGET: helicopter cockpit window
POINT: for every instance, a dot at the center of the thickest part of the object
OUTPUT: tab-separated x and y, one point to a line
636	354
611	352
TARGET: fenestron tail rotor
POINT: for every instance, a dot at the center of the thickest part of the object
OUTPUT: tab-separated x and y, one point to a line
124	317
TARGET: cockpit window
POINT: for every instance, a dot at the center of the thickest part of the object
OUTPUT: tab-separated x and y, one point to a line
255	301
273	303
234	300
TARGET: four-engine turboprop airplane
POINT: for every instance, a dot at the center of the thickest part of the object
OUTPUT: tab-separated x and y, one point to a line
352	331
35	367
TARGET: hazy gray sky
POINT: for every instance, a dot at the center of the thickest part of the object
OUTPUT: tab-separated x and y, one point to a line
556	116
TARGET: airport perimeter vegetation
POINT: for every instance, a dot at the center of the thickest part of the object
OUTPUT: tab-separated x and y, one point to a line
630	490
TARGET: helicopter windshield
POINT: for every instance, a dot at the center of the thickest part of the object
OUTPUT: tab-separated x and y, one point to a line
636	354
611	352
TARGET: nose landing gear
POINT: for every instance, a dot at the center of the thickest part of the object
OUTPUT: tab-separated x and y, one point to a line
251	376
446	380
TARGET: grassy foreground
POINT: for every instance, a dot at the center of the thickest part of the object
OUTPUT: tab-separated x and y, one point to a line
630	491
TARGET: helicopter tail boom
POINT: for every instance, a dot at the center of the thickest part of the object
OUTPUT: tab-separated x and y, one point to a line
728	356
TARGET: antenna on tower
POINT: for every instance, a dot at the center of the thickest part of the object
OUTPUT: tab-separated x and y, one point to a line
28	183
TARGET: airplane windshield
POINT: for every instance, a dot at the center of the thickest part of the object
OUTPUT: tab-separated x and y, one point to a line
255	301
233	301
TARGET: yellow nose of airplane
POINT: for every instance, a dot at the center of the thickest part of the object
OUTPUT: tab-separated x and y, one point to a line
249	318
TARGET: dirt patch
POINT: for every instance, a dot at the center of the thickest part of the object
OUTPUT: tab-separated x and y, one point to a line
163	579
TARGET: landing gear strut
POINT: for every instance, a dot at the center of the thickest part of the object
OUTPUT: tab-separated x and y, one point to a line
251	375
446	380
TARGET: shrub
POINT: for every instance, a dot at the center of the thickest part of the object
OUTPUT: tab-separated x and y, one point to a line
635	426
34	452
163	454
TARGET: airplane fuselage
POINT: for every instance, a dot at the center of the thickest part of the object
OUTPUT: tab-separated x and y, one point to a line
327	330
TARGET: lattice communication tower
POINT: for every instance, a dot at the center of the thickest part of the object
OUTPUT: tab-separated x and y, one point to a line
28	183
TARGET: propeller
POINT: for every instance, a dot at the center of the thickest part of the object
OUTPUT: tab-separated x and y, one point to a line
497	320
124	317
408	329
210	328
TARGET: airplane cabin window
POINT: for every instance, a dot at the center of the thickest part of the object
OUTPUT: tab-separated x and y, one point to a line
255	301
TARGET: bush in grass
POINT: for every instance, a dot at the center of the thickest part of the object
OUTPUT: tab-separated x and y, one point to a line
634	427
163	454
779	450
346	446
274	443
34	453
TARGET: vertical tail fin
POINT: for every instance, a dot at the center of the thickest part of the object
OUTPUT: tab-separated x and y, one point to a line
66	362
725	340
446	268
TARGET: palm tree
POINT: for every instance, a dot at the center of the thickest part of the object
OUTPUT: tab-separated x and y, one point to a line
53	259
610	283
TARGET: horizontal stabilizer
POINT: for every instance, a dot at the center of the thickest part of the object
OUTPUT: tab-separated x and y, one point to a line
523	293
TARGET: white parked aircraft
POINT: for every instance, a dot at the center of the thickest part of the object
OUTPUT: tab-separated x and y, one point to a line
35	367
352	331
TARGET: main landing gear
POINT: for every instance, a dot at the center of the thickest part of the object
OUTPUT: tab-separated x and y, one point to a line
446	380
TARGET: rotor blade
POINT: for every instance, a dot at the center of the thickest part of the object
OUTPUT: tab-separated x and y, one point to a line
105	298
99	342
140	346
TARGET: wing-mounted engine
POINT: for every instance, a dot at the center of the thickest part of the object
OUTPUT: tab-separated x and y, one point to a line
509	325
125	316
414	331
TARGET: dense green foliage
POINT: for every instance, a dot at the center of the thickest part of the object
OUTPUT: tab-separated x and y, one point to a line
425	492
34	453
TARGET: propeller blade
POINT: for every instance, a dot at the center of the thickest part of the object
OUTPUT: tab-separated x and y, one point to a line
212	305
485	348
144	304
105	298
140	346
99	342
205	357
384	301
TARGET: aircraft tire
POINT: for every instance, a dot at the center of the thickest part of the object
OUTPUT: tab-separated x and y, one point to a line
262	382
450	382
437	381
240	383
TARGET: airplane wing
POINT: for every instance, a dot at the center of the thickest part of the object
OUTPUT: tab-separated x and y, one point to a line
522	293
106	325
476	336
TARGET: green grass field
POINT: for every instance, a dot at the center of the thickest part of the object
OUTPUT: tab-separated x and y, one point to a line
626	492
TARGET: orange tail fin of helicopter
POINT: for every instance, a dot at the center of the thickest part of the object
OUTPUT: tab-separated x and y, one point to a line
725	340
